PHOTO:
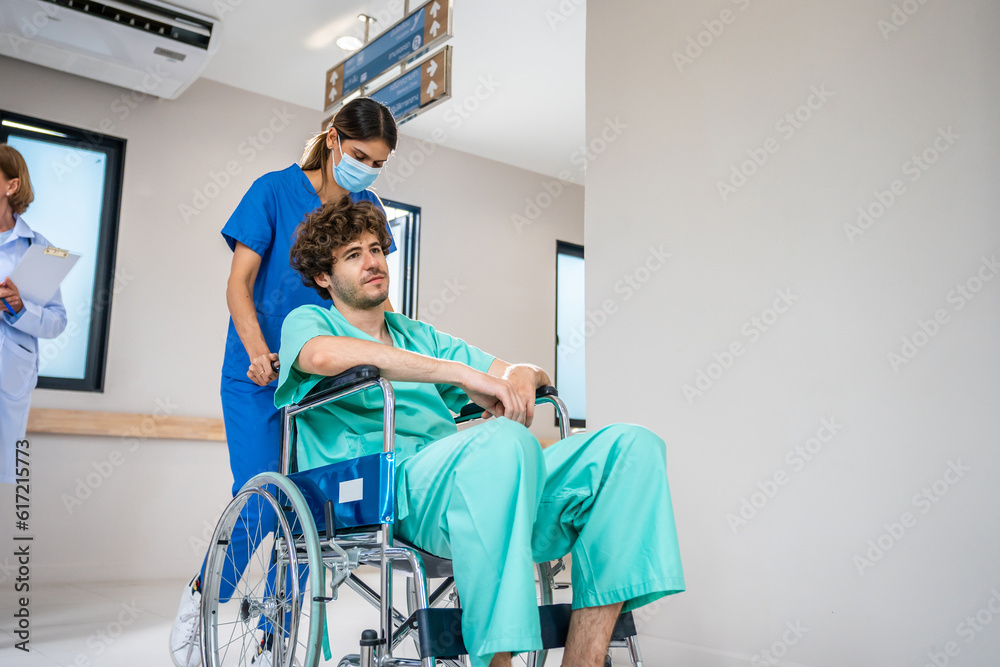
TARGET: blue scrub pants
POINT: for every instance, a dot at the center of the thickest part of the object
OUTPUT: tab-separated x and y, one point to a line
491	499
253	434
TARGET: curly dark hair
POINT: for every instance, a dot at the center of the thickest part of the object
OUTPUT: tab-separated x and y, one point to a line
333	226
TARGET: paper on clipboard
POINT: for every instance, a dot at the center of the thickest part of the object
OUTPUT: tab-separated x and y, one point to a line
41	271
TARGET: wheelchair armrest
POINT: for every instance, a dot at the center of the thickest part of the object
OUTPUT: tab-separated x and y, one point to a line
335	383
472	411
355	379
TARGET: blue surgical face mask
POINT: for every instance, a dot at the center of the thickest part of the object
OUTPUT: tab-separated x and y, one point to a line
352	175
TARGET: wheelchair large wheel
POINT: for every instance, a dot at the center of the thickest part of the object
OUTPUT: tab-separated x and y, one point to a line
282	585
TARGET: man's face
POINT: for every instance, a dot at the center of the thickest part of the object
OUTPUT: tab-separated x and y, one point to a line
360	278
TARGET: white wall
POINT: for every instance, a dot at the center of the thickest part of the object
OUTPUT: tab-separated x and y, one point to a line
898	429
487	247
146	516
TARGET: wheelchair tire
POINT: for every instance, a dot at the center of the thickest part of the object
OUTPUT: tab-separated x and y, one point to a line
233	625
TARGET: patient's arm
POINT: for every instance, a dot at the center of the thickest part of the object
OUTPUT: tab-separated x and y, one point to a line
332	355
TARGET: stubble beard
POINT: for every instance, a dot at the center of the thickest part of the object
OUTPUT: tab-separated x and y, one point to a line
352	296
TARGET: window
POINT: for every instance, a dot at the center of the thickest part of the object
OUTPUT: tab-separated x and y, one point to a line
404	221
77	179
571	378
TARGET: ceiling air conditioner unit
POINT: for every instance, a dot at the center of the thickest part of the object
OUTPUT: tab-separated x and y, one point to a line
146	45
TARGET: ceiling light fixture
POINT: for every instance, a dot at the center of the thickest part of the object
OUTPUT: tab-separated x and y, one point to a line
352	43
349	43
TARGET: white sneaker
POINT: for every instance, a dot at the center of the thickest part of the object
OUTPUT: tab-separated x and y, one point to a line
264	657
185	638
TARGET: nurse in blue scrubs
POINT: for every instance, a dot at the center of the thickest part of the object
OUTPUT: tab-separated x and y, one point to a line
262	289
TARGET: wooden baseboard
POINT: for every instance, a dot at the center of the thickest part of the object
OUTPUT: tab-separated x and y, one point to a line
128	425
125	425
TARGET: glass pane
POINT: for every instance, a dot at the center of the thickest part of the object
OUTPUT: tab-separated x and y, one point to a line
397	260
69	193
571	348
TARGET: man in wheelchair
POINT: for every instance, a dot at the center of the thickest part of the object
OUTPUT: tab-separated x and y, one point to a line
489	497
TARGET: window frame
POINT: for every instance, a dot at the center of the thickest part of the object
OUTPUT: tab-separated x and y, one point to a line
107	242
572	250
411	249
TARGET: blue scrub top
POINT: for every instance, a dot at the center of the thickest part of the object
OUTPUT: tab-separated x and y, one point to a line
265	221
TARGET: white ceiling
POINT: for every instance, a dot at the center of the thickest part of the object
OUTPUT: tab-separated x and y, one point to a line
533	118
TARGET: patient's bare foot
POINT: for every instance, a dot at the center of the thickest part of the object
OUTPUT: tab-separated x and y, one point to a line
500	660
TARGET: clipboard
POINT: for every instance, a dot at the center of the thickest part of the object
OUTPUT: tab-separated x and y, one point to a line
41	271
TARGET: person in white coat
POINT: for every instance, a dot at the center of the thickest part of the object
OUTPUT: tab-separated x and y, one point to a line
22	322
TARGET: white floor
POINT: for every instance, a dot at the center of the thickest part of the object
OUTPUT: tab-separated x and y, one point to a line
113	625
120	625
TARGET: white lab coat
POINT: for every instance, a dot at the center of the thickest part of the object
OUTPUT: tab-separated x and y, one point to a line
19	347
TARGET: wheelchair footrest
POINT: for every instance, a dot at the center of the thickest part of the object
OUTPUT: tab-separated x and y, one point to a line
440	629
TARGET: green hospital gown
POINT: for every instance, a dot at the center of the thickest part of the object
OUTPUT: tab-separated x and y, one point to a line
490	498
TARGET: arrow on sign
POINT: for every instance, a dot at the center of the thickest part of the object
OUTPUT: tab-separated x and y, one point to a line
434	28
333	94
333	78
435	8
431	88
433	67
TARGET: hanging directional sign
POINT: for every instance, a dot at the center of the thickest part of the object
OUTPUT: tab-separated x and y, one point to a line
423	86
414	34
419	89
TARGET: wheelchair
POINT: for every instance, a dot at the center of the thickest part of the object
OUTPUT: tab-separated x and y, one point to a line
315	528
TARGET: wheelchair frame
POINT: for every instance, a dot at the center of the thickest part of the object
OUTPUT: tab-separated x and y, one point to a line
342	553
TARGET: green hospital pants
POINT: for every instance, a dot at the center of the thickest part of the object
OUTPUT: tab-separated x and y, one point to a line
491	499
